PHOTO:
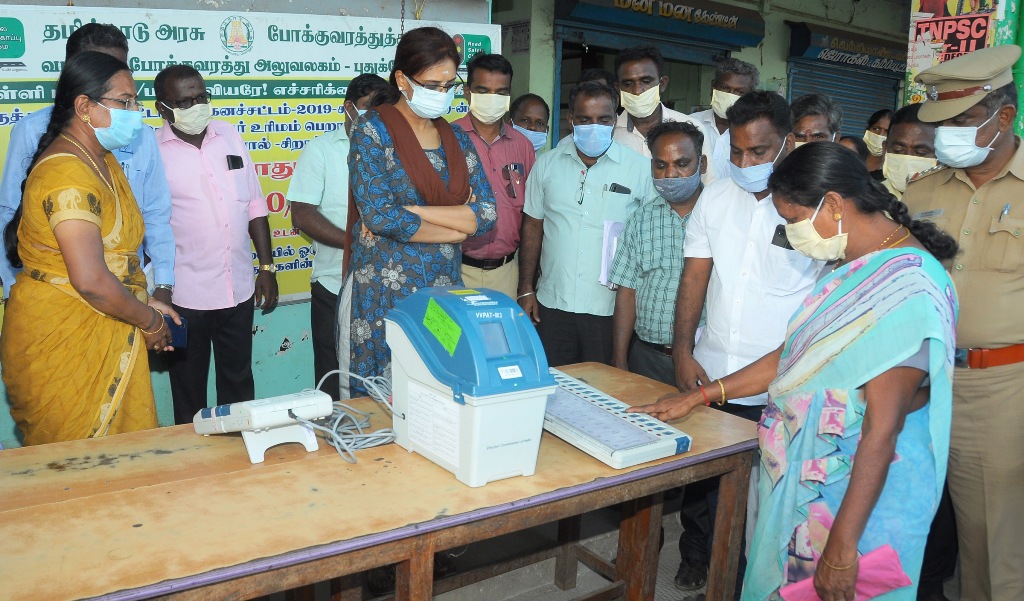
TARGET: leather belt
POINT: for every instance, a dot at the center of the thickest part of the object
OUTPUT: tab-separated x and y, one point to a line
981	358
488	263
664	349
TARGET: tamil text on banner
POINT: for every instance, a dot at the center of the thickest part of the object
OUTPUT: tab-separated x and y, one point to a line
279	79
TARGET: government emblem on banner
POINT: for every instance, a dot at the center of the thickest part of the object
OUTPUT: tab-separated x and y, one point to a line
236	35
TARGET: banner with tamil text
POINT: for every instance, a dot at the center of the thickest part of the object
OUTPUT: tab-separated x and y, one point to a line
280	79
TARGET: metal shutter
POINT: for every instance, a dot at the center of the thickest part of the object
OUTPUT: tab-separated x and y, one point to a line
860	93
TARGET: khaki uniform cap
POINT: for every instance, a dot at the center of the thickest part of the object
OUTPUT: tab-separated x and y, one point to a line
956	85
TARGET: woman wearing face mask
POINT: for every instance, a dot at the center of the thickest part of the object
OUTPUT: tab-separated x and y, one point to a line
79	320
417	191
855	435
874	138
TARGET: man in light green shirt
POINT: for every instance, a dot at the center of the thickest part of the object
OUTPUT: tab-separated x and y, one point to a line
571	194
318	194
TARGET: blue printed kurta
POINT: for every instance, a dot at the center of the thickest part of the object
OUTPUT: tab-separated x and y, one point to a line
386	267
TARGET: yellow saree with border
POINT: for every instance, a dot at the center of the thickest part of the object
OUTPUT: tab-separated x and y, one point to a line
72	372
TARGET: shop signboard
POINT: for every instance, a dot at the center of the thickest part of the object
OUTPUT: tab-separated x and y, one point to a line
279	79
812	41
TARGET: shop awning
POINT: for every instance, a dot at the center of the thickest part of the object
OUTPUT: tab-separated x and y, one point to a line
721	25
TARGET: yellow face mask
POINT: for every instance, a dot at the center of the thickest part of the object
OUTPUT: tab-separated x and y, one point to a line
805	239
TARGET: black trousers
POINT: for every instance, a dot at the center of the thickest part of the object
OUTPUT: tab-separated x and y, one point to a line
575	337
645	361
323	321
700	502
941	549
229	332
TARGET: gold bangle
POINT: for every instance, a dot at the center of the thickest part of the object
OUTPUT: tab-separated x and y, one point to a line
722	386
839	568
159	319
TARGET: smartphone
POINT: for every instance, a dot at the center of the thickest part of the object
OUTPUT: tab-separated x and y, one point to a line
780	239
619	188
179	334
234	162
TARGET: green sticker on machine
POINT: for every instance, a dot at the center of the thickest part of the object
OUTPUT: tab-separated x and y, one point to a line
442	326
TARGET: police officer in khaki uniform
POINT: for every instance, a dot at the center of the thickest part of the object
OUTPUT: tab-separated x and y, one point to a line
978	198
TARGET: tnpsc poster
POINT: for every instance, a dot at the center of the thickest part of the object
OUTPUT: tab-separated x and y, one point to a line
279	79
941	30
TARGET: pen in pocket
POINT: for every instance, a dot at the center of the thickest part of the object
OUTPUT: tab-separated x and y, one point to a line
1006	211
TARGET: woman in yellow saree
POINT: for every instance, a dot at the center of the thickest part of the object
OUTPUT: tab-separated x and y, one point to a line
79	320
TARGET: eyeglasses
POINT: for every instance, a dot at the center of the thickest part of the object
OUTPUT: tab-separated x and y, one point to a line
583	183
187	103
513	174
437	87
131	104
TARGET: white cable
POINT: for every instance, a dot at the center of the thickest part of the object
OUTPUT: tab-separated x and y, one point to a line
345	428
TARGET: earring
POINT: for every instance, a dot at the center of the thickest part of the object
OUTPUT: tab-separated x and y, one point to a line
85	118
837	216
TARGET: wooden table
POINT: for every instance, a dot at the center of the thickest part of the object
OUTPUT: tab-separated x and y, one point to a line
166	513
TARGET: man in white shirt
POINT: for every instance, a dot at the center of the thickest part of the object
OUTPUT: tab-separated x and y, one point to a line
733	78
318	194
752	284
642	81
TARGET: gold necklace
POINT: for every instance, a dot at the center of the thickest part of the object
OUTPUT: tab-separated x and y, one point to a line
91	161
887	238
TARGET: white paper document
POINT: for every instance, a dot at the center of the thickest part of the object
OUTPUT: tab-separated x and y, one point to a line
612	236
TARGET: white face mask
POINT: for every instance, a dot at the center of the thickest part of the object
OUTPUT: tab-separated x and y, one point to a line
874	142
488	108
807	241
722	102
193	120
642	105
429	104
899	168
957	146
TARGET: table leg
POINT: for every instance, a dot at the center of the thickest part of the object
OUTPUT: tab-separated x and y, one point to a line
728	534
303	593
566	563
639	542
347	588
415	576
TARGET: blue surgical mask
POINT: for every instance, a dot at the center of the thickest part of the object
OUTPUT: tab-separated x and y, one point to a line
430	104
592	140
539	139
957	146
754	179
124	127
678	189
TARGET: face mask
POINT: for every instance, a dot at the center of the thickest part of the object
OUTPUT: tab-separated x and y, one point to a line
488	108
722	102
193	120
957	147
642	105
899	168
539	139
678	189
754	179
806	240
592	140
359	113
429	104
874	142
124	126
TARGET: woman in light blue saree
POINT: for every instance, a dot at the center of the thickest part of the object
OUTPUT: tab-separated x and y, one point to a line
855	436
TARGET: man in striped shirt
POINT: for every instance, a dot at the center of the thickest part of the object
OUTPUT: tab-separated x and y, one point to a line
649	261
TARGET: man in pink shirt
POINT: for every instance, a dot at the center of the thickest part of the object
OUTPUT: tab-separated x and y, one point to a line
217	206
488	260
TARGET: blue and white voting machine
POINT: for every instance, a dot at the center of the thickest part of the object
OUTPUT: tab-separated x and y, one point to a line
471	389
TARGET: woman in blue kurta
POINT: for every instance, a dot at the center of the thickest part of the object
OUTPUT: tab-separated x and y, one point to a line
418	191
855	437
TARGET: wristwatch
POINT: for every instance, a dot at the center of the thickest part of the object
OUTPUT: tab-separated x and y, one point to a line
166	287
272	268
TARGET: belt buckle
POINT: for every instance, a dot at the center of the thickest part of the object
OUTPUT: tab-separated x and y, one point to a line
960	358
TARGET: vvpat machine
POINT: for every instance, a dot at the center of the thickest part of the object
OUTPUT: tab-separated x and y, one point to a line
470	382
